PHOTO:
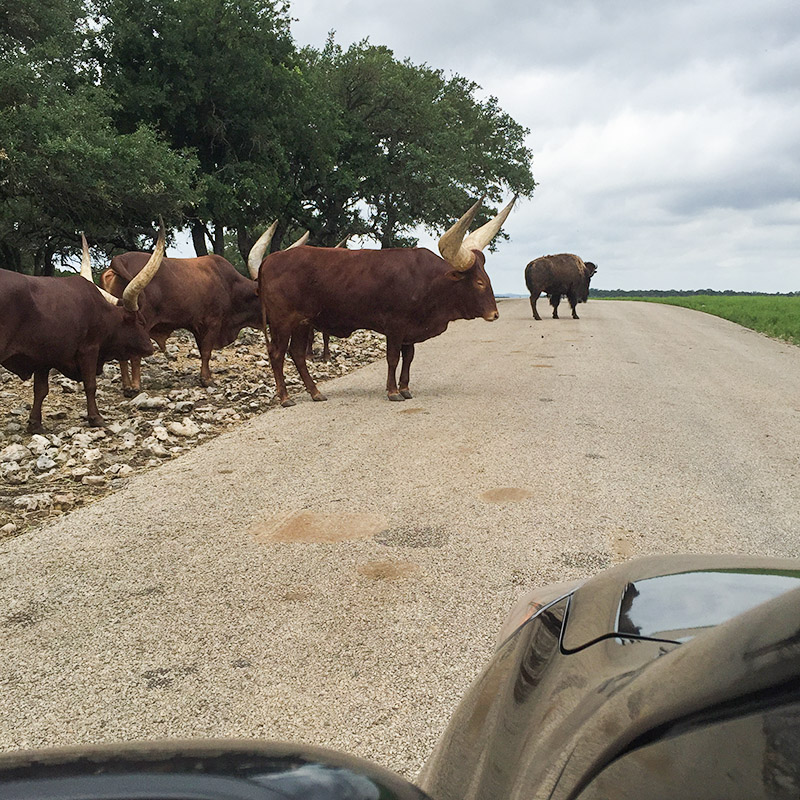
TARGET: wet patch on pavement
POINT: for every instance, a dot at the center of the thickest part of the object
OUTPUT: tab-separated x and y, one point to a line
29	616
414	536
164	677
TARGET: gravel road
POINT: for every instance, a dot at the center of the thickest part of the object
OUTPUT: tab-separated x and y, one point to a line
335	573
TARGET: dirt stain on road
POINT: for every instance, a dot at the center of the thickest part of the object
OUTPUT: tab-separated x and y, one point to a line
508	494
311	526
388	570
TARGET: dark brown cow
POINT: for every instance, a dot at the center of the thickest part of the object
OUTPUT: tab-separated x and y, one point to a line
204	295
70	325
408	294
564	274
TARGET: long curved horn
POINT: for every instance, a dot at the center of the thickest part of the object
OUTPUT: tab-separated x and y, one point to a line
343	242
481	237
130	297
86	272
256	255
301	241
86	261
451	244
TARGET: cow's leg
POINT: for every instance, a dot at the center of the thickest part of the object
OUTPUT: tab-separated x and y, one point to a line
204	346
573	301
555	299
393	348
277	342
136	375
310	345
534	298
41	388
297	350
125	377
407	351
87	363
326	347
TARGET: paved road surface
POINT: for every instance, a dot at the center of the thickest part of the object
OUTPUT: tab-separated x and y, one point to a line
336	572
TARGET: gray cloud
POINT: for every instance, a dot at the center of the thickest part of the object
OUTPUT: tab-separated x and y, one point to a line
666	137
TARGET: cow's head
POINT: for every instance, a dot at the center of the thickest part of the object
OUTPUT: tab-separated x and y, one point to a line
128	335
590	269
464	252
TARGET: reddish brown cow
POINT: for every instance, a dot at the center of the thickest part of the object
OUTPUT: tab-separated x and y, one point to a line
205	295
408	294
70	325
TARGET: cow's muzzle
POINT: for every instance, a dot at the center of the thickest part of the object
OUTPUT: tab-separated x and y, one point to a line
491	316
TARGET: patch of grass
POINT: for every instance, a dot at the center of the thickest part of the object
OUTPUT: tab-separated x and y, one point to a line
773	315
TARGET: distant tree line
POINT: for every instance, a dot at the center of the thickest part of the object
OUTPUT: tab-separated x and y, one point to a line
113	112
682	293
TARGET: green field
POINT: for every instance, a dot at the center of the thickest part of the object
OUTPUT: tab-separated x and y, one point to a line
773	315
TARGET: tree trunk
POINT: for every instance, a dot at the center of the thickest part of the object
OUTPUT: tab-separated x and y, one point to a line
199	238
219	239
10	257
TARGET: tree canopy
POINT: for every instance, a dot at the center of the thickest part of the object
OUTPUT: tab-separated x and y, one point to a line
204	111
64	166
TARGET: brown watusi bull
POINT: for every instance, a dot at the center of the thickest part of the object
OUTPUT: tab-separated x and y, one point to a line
408	294
326	337
204	295
564	274
70	325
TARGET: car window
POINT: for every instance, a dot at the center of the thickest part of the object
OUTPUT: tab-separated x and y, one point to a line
755	757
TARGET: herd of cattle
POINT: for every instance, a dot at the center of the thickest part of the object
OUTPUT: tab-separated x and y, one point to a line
408	294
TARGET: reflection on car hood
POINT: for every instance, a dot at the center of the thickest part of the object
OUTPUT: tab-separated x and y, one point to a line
677	607
671	598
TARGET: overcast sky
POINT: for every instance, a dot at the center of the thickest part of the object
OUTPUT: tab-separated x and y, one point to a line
666	136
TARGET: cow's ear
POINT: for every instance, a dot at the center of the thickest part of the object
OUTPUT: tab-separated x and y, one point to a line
455	275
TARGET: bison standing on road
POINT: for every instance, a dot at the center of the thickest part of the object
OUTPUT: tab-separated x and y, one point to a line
70	325
564	274
408	294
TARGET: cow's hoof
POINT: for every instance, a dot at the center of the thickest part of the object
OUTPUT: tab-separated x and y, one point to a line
318	397
96	422
396	397
35	427
130	392
287	403
406	394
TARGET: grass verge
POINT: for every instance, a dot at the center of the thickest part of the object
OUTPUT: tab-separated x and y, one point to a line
773	315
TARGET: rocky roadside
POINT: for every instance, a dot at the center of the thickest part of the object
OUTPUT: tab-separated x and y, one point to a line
42	476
